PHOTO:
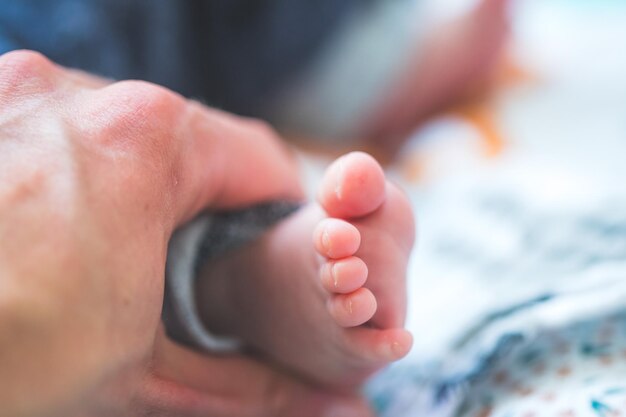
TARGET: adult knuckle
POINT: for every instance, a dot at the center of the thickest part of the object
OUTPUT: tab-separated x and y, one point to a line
132	126
25	61
136	114
147	100
26	69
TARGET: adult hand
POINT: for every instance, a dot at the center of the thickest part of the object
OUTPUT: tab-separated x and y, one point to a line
186	383
94	177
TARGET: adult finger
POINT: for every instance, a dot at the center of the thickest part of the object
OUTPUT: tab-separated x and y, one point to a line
256	164
186	383
192	156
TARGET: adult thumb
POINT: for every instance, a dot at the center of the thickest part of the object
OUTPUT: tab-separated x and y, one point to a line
188	383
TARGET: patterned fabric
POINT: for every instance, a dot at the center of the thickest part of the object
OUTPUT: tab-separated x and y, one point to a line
525	313
573	372
577	371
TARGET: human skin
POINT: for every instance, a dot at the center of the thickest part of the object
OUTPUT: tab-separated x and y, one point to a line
449	65
322	293
94	178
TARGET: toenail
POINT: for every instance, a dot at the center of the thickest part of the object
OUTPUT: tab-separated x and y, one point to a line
338	190
395	348
333	274
349	304
326	241
340	174
394	351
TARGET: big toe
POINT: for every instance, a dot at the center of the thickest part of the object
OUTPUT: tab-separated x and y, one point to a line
353	186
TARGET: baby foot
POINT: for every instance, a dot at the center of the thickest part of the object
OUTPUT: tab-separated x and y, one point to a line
451	63
330	308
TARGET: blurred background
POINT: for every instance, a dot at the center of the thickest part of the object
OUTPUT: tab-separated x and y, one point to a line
556	134
520	195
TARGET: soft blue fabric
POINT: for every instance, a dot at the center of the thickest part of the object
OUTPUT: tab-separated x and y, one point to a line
231	53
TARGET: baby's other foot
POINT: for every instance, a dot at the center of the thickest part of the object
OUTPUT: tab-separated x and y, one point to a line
453	62
331	307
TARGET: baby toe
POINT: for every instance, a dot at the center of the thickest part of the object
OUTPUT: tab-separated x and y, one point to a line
334	238
344	275
353	186
354	309
378	346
